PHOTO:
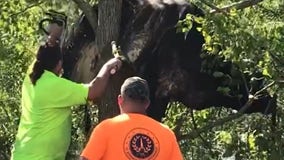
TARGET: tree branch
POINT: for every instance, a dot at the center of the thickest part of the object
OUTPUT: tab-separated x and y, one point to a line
237	5
196	132
264	88
212	6
89	13
280	81
27	8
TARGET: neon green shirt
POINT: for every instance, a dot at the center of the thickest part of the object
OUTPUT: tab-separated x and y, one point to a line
44	131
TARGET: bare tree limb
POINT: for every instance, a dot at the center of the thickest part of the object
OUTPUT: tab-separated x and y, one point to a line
89	13
264	88
237	5
212	6
280	81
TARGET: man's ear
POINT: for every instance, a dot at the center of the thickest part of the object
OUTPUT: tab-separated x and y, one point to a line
147	104
119	100
58	68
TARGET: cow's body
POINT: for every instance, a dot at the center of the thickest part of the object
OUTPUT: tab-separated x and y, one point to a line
170	61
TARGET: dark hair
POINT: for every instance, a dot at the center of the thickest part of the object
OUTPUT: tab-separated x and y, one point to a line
136	89
46	59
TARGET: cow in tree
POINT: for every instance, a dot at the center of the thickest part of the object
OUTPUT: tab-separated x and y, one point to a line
169	60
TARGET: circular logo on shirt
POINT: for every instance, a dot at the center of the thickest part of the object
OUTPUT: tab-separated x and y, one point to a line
141	144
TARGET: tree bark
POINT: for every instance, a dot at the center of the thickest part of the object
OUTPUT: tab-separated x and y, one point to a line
109	17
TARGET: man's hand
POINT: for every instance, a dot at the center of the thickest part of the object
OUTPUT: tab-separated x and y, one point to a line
113	65
98	84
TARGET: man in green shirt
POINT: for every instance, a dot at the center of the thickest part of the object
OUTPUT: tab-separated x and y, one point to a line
44	131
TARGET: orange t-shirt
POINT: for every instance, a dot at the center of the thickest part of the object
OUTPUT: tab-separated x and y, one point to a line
132	137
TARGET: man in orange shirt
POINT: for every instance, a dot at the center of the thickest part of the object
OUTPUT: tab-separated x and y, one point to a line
132	134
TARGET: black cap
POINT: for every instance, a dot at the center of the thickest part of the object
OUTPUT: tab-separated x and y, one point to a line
135	88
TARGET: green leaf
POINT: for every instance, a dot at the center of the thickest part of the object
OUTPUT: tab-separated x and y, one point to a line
233	12
199	29
225	137
265	72
251	141
199	20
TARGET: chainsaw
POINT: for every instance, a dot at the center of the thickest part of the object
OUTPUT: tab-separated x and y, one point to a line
54	17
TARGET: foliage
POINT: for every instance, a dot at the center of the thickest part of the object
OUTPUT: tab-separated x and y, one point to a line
19	39
11	74
17	35
253	39
82	125
248	137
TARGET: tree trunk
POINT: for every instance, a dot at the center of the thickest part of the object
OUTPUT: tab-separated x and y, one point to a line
95	49
109	16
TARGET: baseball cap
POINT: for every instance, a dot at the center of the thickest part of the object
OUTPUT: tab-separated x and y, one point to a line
135	88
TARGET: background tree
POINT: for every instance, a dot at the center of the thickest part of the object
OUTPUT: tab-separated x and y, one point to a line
18	40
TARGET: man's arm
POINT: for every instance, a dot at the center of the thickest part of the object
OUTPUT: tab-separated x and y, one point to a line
98	85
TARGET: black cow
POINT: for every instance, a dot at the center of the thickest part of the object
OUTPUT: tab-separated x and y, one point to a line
170	61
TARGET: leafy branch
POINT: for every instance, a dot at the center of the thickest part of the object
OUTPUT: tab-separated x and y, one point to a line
196	133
